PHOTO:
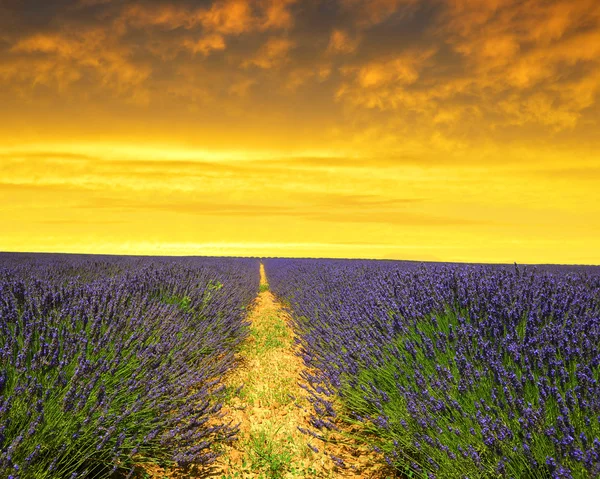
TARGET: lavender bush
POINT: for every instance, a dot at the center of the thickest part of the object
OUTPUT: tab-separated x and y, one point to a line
453	370
111	361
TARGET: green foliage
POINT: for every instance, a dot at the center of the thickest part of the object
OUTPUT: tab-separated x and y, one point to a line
268	456
182	302
275	334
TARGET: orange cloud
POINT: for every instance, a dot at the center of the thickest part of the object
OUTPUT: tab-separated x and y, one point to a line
206	45
341	42
277	14
138	15
381	84
484	57
371	12
538	108
519	44
272	53
226	17
69	55
502	50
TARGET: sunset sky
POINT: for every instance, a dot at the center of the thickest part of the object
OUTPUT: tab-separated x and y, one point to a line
446	130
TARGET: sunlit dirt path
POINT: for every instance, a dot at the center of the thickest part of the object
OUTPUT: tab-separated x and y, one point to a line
269	406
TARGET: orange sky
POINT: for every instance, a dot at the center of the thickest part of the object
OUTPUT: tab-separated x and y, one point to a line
450	130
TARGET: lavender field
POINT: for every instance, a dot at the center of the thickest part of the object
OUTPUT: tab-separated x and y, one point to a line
108	362
445	370
452	370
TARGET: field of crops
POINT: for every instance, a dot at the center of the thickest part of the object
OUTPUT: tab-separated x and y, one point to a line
453	370
111	361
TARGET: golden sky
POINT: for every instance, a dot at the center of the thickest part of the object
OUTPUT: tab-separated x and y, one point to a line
447	130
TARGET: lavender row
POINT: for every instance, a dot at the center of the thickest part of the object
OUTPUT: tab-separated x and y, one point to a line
108	362
453	370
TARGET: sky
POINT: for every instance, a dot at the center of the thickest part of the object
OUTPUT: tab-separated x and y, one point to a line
435	130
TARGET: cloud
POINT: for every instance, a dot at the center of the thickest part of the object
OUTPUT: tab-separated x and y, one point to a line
206	44
509	47
538	108
273	53
228	17
367	13
69	56
381	83
225	17
341	42
458	70
167	16
120	47
477	68
277	14
239	16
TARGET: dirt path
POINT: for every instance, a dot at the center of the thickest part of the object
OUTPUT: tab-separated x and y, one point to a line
267	407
